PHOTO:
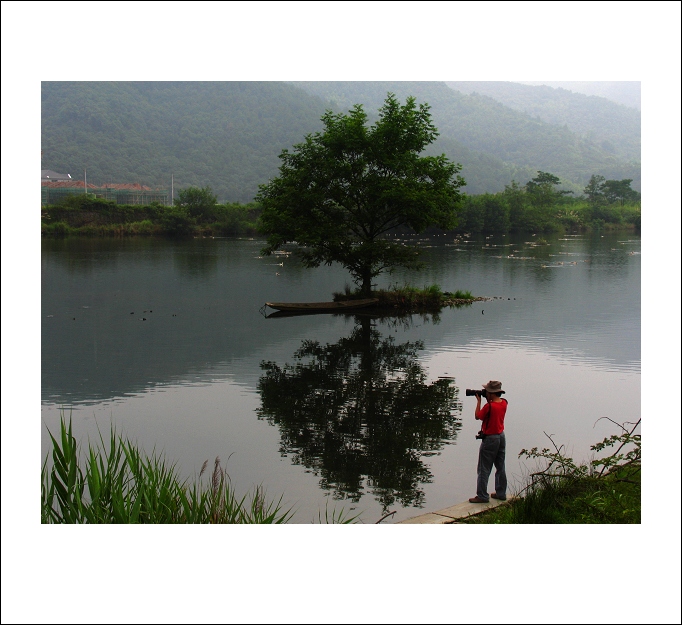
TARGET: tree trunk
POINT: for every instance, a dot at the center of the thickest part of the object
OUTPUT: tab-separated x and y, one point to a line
366	288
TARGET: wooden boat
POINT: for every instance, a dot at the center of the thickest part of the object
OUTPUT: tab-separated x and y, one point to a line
351	304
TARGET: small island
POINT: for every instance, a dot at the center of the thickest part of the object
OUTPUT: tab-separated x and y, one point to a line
409	299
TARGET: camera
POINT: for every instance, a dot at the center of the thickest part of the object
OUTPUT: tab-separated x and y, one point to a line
480	435
471	392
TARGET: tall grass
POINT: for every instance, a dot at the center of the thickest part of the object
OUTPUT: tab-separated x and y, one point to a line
407	296
458	294
408	299
119	484
589	499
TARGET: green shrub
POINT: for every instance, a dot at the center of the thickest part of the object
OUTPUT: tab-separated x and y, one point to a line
607	490
86	201
57	229
144	227
632	214
200	203
177	222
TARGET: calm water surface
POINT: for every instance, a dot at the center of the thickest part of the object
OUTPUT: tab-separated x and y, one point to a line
167	341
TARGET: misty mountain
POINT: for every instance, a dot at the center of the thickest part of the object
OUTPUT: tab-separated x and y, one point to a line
613	127
518	143
228	135
626	92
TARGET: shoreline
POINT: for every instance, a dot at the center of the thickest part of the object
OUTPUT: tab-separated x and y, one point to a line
452	514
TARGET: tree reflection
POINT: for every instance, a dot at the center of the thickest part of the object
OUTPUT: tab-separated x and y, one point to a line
360	414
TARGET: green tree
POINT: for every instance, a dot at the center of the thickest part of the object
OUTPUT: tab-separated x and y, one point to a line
471	217
595	190
342	189
619	191
516	200
200	203
543	198
496	211
541	189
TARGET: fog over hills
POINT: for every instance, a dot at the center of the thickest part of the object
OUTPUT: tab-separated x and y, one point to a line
228	135
626	92
512	143
614	127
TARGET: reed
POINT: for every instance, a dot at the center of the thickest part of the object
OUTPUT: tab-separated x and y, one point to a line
335	517
462	295
117	483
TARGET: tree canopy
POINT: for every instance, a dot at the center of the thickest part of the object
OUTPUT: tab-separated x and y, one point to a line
199	203
342	189
601	191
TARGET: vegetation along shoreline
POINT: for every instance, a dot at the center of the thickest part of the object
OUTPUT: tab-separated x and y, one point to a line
538	207
117	482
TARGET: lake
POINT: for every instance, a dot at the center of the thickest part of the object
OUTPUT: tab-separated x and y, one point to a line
169	341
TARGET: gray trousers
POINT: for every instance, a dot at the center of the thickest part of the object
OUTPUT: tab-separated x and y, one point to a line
491	453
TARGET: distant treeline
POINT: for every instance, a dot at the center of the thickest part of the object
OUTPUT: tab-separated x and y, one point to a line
538	206
91	216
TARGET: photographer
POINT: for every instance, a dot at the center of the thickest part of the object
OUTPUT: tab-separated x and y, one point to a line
493	442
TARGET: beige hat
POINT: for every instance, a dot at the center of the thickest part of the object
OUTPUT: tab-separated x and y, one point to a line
493	387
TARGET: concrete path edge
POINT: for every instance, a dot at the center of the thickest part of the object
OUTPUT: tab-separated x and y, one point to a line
453	513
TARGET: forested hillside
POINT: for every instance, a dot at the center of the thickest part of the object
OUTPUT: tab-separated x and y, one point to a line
523	143
228	135
613	127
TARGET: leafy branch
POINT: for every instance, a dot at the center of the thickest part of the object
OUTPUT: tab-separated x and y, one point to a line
562	467
619	460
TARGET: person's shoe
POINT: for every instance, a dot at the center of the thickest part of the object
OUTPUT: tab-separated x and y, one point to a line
477	500
494	496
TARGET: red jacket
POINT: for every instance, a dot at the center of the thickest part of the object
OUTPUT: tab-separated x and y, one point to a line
492	415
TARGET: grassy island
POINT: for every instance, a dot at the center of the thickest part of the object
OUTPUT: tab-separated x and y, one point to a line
408	299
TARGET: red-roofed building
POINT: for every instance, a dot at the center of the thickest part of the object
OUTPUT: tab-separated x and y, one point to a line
55	187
